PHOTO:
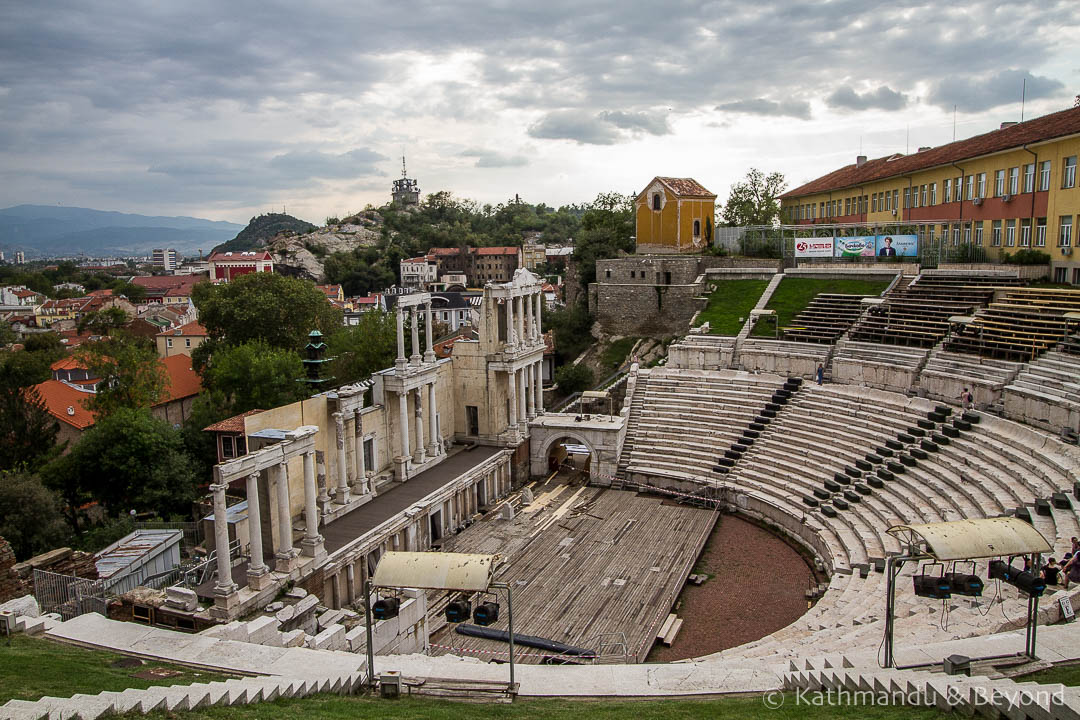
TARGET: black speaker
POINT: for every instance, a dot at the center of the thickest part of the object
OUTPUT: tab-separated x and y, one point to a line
458	611
486	613
385	608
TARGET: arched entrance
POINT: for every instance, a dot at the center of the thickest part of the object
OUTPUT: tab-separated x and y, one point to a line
571	455
600	435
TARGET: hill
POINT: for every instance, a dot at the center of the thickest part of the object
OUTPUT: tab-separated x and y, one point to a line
263	228
46	230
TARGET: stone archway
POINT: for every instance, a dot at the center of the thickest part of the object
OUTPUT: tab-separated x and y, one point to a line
555	440
601	434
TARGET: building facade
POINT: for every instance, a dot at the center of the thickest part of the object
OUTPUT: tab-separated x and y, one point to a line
180	340
1011	189
228	265
419	272
166	258
674	215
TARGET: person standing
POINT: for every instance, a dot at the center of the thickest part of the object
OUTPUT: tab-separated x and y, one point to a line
820	373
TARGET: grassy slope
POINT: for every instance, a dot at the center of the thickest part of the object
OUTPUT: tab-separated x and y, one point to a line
614	355
730	304
744	708
34	667
1065	674
794	294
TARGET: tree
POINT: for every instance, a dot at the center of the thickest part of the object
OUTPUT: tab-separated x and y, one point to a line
574	378
103	322
253	375
278	310
607	227
30	515
362	349
7	335
128	460
756	200
131	375
27	430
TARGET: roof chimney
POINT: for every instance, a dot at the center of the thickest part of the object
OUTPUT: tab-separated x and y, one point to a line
924	148
860	161
1007	124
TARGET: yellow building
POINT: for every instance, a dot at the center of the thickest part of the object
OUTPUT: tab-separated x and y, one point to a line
1011	189
674	215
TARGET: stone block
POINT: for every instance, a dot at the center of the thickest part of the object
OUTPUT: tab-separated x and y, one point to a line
181	598
293	638
297	593
356	639
332	638
330	617
263	629
25	606
285	614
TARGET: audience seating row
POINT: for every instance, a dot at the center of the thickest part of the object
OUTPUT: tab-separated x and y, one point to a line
826	318
1020	327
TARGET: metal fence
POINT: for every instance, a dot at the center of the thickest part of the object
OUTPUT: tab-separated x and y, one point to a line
193	535
68	595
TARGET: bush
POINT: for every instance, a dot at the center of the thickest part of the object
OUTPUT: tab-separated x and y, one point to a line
1026	257
574	378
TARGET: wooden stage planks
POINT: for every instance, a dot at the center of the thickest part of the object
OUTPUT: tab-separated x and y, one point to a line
585	562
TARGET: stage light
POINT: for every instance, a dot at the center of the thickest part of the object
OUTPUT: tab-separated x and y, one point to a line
486	613
1022	580
935	587
458	611
385	608
967	583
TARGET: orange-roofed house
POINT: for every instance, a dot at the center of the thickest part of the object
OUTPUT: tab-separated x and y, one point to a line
66	403
230	436
332	292
180	340
674	215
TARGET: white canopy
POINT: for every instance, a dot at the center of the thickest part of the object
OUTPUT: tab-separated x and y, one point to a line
973	539
434	571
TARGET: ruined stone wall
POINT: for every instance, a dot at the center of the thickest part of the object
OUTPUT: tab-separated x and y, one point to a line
658	311
17	579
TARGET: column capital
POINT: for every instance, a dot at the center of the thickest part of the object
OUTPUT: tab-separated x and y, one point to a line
221	487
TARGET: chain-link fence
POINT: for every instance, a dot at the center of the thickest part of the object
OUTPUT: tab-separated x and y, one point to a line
68	595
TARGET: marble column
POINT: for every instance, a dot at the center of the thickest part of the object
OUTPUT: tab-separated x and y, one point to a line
312	544
258	574
510	321
530	396
342	495
418	410
403	416
286	554
429	354
399	363
539	301
538	386
414	322
512	396
361	462
224	585
519	318
434	441
350	448
320	470
521	397
410	536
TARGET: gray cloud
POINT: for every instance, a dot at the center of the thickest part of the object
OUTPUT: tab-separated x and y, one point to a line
582	127
762	106
306	164
654	124
492	159
884	98
973	93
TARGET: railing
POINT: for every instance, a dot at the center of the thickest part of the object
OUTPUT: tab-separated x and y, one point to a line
68	595
193	535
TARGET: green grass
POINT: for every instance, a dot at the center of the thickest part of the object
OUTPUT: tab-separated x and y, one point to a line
730	305
31	668
1064	674
614	355
794	294
329	707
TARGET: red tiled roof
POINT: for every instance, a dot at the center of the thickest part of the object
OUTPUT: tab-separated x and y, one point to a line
1047	127
444	251
239	256
549	342
235	424
24	293
100	293
65	403
165	282
685	187
68	363
372	300
192	329
497	251
181	381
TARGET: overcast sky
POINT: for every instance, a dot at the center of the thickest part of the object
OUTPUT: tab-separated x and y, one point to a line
227	109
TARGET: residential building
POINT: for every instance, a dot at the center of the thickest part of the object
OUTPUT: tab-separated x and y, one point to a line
419	272
557	256
228	265
478	265
332	292
166	258
20	257
180	340
229	436
674	215
172	291
1014	188
533	252
20	296
74	287
455	310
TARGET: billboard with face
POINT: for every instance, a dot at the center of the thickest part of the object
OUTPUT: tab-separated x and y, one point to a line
897	245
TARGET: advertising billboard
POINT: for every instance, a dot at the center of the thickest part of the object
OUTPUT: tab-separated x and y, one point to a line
860	246
813	247
897	245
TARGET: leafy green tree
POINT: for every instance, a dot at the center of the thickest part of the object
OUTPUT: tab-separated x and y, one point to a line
574	378
7	335
131	375
30	515
27	430
253	375
128	460
362	349
361	271
277	310
134	293
103	322
755	200
607	228
572	330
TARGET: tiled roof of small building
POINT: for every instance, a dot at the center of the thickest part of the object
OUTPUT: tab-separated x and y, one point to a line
686	187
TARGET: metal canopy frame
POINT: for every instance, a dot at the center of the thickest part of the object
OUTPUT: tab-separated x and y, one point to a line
452	572
962	540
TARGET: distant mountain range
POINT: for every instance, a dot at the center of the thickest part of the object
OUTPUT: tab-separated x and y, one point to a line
46	230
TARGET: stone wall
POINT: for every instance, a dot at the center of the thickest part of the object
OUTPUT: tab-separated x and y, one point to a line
658	311
1045	411
17	579
880	375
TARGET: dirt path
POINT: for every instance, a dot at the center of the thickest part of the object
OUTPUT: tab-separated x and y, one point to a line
758	586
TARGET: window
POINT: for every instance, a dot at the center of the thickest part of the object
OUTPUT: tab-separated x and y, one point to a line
187	342
924	195
1059	274
933	193
1014	180
1065	233
656	201
948	189
982	185
168	342
607	274
697	228
995	233
1076	276
227	448
978	232
907	198
1040	232
956	235
1044	175
1010	233
930	233
896	199
956	189
1068	179
999	183
472	420
1025	233
847	206
1029	177
970	187
967	233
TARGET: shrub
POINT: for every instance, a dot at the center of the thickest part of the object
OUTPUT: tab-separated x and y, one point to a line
1026	257
574	378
